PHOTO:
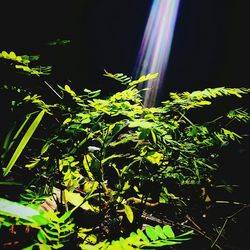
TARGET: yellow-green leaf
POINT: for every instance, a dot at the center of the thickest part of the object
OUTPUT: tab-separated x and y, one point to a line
67	120
129	213
41	237
154	157
151	233
168	231
5	54
153	136
87	163
23	142
12	55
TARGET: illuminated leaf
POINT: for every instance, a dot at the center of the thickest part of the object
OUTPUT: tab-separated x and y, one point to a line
129	213
87	163
142	124
67	120
142	235
168	231
26	137
12	55
160	233
5	54
151	233
154	157
153	136
41	237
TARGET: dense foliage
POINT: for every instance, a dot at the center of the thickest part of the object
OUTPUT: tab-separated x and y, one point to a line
93	172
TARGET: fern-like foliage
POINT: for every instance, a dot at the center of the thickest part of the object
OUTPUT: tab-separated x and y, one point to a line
29	197
199	98
22	63
120	77
54	230
152	237
239	114
108	153
57	232
125	80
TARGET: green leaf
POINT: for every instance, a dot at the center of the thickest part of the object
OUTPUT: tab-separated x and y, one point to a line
160	232
24	68
204	103
123	79
154	157
45	148
142	235
19	59
87	163
64	217
153	136
168	231
164	243
40	220
23	142
58	246
141	124
239	114
74	198
67	120
143	79
41	237
185	234
30	247
151	233
12	55
33	163
69	90
111	157
129	213
5	54
8	141
44	247
125	139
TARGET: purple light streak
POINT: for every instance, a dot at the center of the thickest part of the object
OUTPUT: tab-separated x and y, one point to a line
156	44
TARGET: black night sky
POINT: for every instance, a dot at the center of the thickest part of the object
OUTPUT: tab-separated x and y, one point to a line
210	46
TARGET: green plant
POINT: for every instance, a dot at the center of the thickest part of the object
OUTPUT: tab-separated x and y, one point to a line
110	161
22	63
150	237
52	231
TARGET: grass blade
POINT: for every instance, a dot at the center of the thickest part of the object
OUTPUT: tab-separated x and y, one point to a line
23	142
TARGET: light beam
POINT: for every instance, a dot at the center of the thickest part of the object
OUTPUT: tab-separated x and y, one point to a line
155	46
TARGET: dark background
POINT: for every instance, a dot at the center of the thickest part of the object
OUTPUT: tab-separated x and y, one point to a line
211	46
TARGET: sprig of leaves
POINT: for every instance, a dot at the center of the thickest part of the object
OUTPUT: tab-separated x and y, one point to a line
150	237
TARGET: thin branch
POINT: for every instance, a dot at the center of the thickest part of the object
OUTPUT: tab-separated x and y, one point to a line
226	220
53	89
200	231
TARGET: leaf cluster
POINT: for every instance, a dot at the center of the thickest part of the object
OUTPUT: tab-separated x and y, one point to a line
112	159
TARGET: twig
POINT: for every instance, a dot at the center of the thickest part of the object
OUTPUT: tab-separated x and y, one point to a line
226	220
200	231
233	203
53	89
